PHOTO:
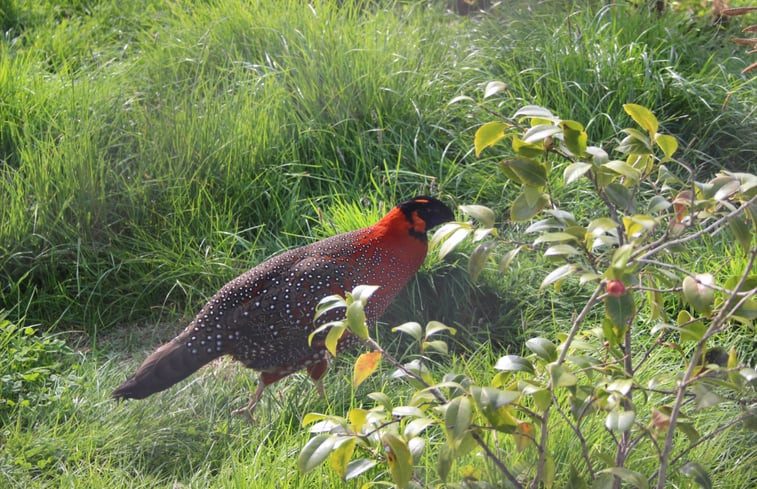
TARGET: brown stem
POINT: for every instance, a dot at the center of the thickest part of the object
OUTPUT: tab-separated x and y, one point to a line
730	306
442	399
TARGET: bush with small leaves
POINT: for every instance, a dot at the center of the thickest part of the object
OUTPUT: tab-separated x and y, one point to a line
596	379
29	367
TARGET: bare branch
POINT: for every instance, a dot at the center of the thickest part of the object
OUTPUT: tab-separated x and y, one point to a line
730	306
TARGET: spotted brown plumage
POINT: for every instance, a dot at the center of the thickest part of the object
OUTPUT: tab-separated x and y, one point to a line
263	317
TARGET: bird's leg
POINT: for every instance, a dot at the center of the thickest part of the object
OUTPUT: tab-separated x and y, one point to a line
266	378
317	372
321	390
249	409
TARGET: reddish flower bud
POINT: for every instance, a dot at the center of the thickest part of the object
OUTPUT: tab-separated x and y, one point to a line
615	288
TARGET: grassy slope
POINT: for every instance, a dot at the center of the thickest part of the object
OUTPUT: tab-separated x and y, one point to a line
151	153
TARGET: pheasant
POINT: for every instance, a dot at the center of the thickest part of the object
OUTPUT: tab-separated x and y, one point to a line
263	317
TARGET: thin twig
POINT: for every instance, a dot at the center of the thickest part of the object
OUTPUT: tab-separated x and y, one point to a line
648	251
581	440
442	399
578	322
725	313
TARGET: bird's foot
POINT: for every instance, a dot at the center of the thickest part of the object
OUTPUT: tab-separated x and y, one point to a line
249	409
321	390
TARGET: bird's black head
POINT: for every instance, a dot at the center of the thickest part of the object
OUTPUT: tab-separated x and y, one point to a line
430	211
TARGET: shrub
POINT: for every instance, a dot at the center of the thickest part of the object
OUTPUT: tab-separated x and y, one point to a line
640	376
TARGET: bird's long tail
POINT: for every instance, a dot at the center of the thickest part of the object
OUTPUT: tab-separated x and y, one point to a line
171	363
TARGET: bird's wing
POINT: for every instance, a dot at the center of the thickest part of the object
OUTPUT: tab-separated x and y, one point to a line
274	326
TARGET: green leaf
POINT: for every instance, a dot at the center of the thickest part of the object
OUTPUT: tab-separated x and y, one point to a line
540	132
575	481
561	376
478	259
688	429
457	417
643	117
363	292
620	259
638	224
599	155
491	398
543	348
529	171
548	478
356	320
416	446
620	196
690	330
357	467
461	98
488	135
603	481
527	150
436	345
492	403
434	327
444	462
416	426
667	144
315	451
553	237
514	363
561	250
574	171
508	258
411	411
493	88
705	397
381	399
601	225
636	143
695	471
629	476
542	399
313	417
558	274
341	455
399	458
333	337
322	328
698	292
535	111
522	210
357	417
620	420
444	231
659	203
624	169
740	230
620	385
481	213
575	137
725	187
329	303
412	328
633	145
620	309
453	240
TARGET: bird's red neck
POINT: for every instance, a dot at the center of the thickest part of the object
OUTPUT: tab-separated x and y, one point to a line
401	226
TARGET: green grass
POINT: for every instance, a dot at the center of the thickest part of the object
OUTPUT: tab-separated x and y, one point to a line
150	152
